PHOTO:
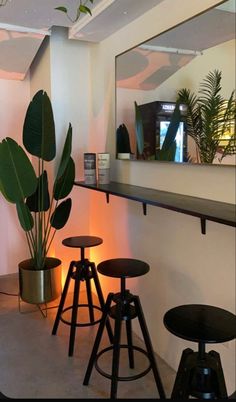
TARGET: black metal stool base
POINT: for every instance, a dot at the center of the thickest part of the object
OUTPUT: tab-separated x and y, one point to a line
79	306
124	378
80	271
123	311
199	378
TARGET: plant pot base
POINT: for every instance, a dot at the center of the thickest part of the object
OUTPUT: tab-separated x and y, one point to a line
40	286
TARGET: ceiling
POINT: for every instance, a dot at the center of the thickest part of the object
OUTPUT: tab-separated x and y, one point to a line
25	23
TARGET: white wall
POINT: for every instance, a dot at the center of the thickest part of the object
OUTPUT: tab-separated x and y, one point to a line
186	266
14	98
62	69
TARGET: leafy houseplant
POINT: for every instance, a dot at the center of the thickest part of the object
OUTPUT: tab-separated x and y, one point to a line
40	213
82	8
209	117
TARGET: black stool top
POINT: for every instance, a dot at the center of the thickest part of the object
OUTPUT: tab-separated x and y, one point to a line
82	241
201	323
123	268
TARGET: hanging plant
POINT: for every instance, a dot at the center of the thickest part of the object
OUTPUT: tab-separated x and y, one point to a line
82	8
3	2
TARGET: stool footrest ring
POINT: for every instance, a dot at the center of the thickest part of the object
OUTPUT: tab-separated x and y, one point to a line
126	378
78	324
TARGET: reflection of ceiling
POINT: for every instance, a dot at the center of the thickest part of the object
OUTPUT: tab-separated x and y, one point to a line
205	31
145	69
24	24
164	55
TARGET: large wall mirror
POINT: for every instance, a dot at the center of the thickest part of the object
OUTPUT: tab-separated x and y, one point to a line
193	63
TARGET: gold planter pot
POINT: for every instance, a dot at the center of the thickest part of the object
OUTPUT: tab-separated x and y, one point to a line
40	286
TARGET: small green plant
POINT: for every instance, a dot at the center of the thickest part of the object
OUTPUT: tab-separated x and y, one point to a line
40	213
82	8
210	117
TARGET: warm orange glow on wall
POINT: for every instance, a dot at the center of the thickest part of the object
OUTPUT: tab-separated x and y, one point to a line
9	75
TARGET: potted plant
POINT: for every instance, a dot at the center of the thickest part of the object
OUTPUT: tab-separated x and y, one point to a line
41	211
210	117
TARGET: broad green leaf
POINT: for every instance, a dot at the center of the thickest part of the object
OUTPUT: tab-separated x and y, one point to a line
40	200
4	194
65	153
61	214
17	176
24	215
39	128
64	184
61	8
139	129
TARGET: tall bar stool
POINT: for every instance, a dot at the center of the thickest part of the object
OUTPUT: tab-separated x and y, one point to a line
126	307
83	270
200	374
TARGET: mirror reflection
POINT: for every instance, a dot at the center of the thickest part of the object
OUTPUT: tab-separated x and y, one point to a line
175	98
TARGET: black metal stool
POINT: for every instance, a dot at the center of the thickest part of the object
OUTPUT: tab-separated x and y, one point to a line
83	270
126	307
200	374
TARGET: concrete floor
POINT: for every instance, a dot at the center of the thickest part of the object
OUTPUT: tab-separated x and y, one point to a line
35	364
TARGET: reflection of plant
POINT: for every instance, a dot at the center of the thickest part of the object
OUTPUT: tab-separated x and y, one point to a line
209	116
168	149
143	146
82	8
122	139
39	214
139	130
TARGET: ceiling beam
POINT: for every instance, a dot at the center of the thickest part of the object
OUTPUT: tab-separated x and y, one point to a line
16	28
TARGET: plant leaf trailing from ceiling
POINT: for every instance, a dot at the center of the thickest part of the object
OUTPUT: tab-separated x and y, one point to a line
81	8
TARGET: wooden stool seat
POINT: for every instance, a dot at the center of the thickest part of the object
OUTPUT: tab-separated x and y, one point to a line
200	374
82	241
201	323
123	268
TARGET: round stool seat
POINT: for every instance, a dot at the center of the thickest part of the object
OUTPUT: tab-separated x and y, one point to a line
201	323
82	241
123	268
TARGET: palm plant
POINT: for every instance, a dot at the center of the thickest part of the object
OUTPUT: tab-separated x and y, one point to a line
40	214
209	116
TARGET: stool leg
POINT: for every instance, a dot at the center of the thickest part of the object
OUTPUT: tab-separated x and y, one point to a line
74	309
98	339
182	379
116	351
148	344
130	343
101	299
90	299
222	391
63	297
